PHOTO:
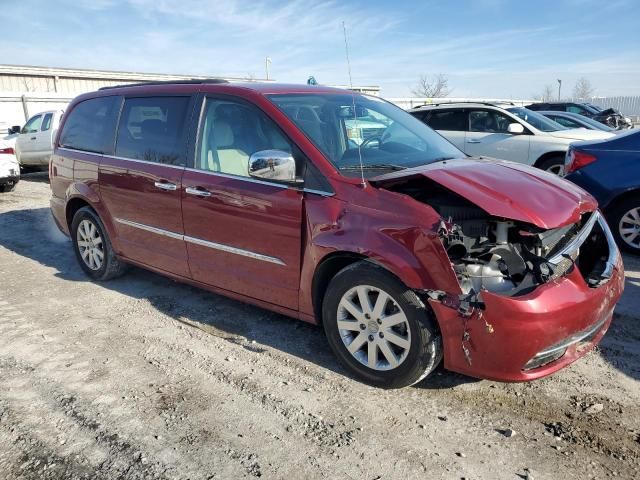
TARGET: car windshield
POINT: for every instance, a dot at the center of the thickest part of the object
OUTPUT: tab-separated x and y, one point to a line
355	129
536	120
594	107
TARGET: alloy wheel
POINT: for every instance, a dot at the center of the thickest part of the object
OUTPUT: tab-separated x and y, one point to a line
373	327
629	227
90	244
557	169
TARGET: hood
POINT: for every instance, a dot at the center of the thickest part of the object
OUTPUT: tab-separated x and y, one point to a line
581	134
506	189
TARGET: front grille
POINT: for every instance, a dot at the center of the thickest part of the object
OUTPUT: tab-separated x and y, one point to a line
564	266
555	240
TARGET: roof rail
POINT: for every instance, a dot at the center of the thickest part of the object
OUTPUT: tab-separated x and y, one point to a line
479	102
192	81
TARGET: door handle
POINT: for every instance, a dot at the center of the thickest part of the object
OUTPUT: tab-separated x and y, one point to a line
166	186
200	192
33	138
472	140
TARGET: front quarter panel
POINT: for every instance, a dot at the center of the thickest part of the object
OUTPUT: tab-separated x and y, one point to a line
394	231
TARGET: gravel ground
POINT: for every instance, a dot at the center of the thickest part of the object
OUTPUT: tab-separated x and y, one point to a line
142	377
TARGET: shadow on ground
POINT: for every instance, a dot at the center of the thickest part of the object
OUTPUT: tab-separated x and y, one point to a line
621	345
32	233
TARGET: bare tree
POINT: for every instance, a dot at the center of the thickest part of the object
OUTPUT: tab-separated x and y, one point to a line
435	86
583	89
547	93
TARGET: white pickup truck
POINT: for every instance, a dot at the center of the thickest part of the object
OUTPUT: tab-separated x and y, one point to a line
34	145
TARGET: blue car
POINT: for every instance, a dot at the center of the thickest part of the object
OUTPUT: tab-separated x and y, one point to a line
610	171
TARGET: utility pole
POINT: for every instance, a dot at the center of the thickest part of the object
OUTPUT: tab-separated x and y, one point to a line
559	88
267	64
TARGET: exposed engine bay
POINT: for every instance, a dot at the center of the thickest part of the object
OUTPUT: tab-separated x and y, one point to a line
509	257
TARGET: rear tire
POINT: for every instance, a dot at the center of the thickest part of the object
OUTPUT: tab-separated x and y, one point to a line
553	164
7	188
624	220
93	247
378	328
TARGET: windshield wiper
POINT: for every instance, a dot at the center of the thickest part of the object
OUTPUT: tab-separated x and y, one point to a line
377	166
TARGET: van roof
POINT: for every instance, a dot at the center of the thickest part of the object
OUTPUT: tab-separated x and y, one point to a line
259	87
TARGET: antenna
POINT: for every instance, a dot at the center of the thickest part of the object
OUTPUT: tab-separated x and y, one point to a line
353	99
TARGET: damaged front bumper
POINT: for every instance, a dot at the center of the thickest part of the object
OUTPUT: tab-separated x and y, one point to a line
520	338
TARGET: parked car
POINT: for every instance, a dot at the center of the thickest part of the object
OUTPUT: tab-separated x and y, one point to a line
34	145
574	120
402	248
510	133
610	171
9	167
609	116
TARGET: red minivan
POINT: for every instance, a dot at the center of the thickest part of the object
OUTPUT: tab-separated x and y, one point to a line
343	210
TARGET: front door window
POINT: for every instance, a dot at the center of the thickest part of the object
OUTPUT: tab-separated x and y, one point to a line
231	132
33	125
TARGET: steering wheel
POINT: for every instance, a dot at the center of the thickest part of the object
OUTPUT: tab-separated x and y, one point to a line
372	138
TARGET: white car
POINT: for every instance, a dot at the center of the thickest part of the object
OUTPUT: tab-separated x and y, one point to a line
34	145
9	167
510	133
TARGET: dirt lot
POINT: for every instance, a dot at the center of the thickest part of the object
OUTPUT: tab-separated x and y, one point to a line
142	377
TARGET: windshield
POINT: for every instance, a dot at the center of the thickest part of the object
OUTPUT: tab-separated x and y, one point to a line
594	107
535	119
380	135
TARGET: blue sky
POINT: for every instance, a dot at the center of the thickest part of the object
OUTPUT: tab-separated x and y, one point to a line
488	48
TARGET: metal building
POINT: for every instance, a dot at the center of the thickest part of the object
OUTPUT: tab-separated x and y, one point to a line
27	90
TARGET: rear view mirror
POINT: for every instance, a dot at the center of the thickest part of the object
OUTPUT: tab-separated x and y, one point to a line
14	129
515	128
273	165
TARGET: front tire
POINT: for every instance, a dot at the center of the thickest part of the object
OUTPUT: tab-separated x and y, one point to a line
624	220
93	247
379	328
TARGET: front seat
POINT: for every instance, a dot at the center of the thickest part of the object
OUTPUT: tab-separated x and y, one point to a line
223	156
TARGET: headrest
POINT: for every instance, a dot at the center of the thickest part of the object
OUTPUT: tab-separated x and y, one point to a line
222	134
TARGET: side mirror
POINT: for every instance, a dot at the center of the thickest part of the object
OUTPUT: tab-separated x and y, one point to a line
515	128
273	165
14	129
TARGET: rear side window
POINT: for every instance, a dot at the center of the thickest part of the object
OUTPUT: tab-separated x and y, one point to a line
90	125
46	122
154	129
565	122
455	120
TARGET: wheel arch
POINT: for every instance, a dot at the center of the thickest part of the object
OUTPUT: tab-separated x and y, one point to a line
634	192
73	205
546	156
328	267
80	195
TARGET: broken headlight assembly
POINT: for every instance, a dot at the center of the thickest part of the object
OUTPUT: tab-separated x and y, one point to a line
513	258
